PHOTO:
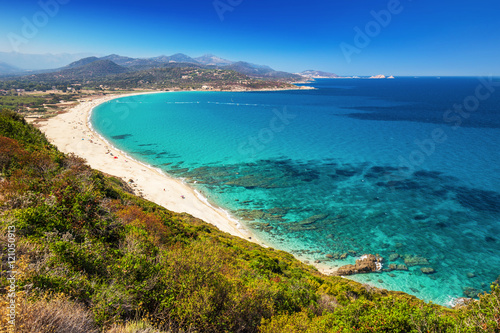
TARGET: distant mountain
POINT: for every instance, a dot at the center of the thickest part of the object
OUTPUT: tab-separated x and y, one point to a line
86	70
169	75
260	71
98	68
9	69
182	65
119	60
82	62
92	67
140	64
206	61
211	60
48	63
147	63
40	61
179	57
249	69
312	74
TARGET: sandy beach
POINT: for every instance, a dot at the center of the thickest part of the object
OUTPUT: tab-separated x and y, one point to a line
71	133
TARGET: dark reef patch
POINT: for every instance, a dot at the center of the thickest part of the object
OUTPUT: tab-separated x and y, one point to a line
419	113
145	152
479	200
380	171
427	174
121	137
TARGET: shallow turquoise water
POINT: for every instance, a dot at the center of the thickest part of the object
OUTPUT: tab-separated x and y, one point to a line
348	168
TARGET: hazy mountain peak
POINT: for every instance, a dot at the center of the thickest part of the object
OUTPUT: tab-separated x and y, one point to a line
118	59
82	62
181	57
210	59
40	61
99	67
6	68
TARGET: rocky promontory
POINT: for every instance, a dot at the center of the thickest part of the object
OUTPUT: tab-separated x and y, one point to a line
366	264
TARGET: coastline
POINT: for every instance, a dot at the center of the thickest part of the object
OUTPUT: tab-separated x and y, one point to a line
72	132
110	162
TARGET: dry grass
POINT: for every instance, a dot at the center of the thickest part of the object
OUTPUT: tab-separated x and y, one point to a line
57	314
134	327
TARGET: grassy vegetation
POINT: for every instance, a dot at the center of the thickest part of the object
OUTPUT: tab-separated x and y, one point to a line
36	103
19	103
92	257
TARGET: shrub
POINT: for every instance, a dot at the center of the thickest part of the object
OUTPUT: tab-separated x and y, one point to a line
48	315
10	153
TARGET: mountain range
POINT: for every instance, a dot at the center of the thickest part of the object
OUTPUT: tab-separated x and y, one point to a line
8	69
26	61
312	74
115	64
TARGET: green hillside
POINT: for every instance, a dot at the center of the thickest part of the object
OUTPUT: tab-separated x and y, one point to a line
92	257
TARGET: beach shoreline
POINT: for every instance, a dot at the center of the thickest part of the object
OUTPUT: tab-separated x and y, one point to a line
72	132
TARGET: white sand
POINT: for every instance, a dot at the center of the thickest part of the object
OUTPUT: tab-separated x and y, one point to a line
66	132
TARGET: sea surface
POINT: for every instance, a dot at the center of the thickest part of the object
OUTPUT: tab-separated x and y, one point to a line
407	168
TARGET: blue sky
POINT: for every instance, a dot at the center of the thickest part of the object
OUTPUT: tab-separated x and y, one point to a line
420	37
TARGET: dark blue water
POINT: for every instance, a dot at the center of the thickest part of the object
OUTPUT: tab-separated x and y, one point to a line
407	168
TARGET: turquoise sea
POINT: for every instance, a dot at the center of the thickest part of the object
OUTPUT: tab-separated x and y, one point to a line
408	168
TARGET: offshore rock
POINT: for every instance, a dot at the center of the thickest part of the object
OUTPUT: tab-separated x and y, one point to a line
366	264
256	214
415	261
302	228
313	219
393	257
471	292
427	270
259	225
400	267
462	302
